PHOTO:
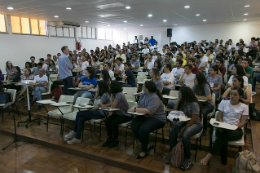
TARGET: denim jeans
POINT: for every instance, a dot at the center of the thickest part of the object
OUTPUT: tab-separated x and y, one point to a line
221	143
171	105
256	78
142	126
84	94
126	85
83	116
216	95
189	132
207	108
38	93
67	83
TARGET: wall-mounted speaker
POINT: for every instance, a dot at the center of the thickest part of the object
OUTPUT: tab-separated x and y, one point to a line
169	32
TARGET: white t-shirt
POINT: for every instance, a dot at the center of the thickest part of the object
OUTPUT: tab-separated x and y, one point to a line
154	57
111	74
39	79
44	67
232	113
204	59
121	68
84	66
145	51
150	65
177	72
168	77
244	77
188	80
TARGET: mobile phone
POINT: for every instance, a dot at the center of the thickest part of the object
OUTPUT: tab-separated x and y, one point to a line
215	123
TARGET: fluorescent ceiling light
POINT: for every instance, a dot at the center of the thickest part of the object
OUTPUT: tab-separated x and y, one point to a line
204	20
56	16
108	25
125	21
197	14
164	20
245	20
10	8
127	7
102	16
141	25
150	15
247	6
124	28
68	8
175	24
186	6
246	14
86	21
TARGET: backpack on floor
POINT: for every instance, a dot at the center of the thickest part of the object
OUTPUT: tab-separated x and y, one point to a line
5	97
245	162
57	92
177	155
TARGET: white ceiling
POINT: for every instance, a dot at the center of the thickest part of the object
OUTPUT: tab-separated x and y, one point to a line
215	11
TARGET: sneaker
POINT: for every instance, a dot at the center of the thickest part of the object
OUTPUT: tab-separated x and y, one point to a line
204	133
253	93
186	163
70	135
113	143
74	141
107	143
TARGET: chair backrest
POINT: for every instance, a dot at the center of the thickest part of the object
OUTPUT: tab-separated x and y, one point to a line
249	87
130	91
213	101
173	93
67	98
96	102
81	100
13	94
53	77
225	78
101	67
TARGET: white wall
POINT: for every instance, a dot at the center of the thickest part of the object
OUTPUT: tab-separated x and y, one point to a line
19	48
208	32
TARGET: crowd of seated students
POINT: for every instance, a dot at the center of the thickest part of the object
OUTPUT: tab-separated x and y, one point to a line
184	64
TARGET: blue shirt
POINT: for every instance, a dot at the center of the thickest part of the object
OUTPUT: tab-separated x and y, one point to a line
152	41
87	81
65	67
130	77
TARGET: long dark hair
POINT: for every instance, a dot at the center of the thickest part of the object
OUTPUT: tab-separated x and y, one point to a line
116	87
103	88
240	79
240	70
240	92
106	76
202	81
150	85
159	64
18	69
30	65
238	59
187	96
91	72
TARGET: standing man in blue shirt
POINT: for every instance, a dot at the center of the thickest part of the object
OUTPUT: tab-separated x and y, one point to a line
65	67
152	41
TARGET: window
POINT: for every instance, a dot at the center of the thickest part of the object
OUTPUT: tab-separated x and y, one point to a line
2	23
35	26
16	25
84	32
93	33
53	31
59	32
42	27
101	33
66	32
71	32
25	26
88	32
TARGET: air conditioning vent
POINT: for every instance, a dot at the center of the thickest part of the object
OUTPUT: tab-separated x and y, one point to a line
67	24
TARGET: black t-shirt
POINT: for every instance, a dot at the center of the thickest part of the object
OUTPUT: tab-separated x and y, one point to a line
130	77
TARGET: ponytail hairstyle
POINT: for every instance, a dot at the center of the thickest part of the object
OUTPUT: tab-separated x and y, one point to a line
240	79
150	85
240	92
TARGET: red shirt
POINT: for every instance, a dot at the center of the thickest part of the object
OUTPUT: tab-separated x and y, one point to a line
195	70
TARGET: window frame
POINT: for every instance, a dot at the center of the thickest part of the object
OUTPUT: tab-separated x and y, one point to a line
6	28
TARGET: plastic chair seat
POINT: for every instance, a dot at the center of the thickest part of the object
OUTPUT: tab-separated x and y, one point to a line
126	124
71	115
57	113
97	120
197	135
